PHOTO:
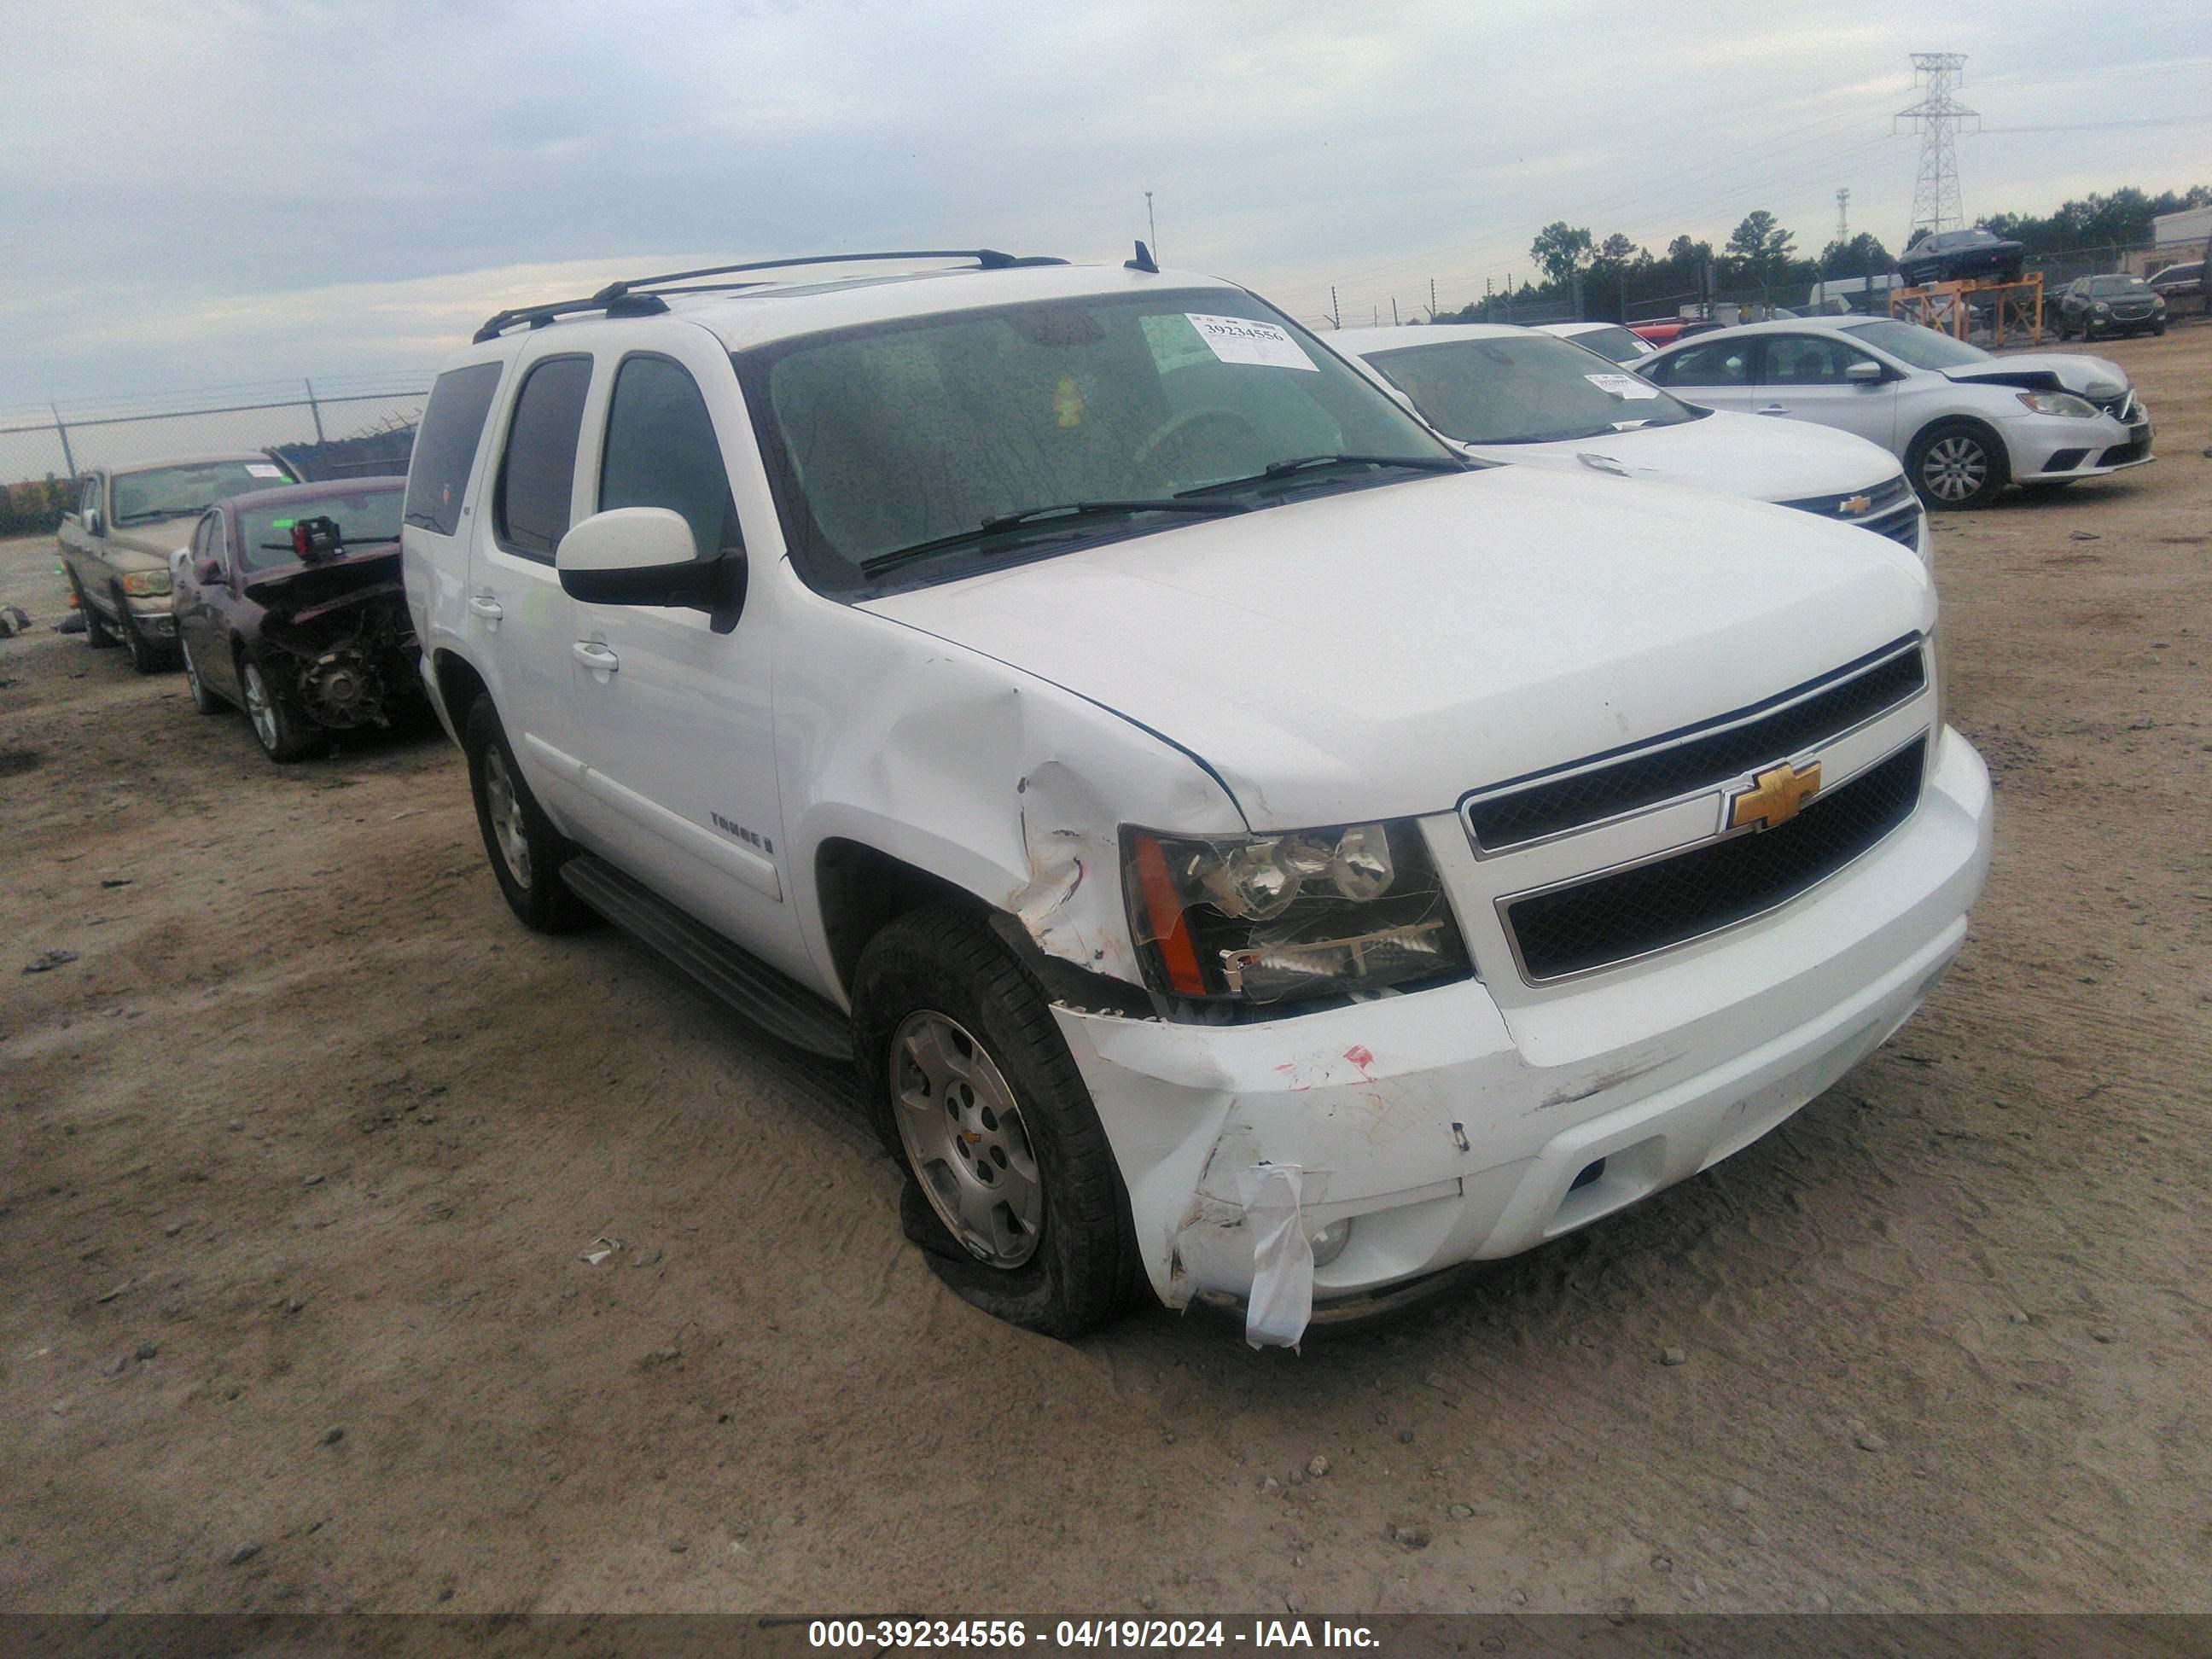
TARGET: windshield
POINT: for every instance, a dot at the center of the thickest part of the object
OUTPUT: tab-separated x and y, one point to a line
1525	389
176	492
885	437
2105	286
1613	342
1923	348
363	516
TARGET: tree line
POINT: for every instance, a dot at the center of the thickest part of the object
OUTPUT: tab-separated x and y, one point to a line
1619	278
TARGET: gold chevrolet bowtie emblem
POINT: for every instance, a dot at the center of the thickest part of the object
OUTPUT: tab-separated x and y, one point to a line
1776	797
1851	505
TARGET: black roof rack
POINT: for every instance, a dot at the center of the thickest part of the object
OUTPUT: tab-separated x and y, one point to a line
635	297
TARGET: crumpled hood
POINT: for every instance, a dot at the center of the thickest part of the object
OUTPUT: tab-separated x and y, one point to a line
1381	652
2049	371
1766	459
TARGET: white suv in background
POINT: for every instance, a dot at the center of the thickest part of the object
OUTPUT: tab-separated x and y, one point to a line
1249	851
1519	395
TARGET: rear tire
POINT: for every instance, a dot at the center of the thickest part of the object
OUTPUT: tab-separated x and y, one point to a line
978	1098
1957	465
526	852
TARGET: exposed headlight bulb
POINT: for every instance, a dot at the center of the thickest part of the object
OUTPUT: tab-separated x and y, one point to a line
1362	869
1254	883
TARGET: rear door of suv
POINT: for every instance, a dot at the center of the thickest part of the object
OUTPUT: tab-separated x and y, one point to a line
519	619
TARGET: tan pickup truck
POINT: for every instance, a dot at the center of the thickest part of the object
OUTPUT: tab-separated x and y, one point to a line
115	547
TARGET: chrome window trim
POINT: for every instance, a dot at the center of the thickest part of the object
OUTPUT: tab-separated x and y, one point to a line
1464	811
1926	735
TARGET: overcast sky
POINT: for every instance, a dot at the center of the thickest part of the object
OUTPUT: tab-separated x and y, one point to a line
218	193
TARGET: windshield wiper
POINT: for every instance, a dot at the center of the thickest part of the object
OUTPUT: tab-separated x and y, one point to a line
1307	463
1039	517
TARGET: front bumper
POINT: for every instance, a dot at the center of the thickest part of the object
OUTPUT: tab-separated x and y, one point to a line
2047	448
153	617
1445	1128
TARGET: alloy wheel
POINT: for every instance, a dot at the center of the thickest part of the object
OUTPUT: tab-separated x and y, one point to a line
965	1140
1955	468
259	707
504	803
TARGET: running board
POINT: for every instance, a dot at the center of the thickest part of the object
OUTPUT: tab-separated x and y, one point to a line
772	1000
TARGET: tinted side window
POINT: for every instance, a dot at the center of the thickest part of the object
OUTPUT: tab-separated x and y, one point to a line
1722	362
530	510
1807	360
446	446
661	452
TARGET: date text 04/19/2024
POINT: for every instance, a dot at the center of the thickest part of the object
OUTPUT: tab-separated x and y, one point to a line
1086	1634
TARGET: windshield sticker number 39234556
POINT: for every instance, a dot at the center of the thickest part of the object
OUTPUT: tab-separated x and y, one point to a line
1241	340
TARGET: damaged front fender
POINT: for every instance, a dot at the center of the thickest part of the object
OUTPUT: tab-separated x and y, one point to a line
1001	784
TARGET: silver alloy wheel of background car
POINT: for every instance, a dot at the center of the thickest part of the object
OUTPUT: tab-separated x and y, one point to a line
1955	468
504	803
258	708
965	1140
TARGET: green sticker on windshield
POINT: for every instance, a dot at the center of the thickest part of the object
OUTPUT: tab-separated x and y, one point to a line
1174	342
282	524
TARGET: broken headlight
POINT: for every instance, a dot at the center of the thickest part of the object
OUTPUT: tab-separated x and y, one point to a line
1314	913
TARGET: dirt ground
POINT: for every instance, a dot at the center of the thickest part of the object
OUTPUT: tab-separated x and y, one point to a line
298	1159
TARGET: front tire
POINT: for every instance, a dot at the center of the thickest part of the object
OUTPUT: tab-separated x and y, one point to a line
526	852
1957	465
283	733
97	633
147	656
1012	1190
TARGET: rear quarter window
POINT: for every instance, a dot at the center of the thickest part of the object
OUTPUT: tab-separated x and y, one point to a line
537	476
446	448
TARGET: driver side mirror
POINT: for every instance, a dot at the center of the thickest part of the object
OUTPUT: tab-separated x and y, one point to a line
647	556
92	524
1864	373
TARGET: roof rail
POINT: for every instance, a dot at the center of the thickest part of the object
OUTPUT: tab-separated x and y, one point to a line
633	298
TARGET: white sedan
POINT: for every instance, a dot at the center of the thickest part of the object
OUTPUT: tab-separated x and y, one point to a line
1965	423
1524	397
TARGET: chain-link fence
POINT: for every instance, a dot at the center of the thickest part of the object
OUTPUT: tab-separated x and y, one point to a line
356	427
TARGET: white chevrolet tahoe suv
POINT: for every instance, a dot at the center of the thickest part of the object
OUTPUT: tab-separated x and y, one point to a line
1249	849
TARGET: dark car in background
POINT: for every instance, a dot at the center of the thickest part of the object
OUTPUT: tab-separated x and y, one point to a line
1962	256
289	605
2093	307
2180	282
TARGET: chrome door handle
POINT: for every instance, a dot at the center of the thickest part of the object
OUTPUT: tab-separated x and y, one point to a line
487	607
596	657
1772	408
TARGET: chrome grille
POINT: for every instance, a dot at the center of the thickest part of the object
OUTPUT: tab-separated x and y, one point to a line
1699	757
1616	917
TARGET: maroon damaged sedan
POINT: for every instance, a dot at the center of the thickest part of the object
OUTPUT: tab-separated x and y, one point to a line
289	605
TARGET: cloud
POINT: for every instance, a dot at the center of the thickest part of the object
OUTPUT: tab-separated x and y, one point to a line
281	189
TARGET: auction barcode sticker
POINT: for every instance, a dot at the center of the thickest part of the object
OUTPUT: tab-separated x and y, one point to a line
1241	340
1623	385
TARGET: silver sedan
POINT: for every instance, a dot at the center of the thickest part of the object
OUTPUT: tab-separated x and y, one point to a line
1965	423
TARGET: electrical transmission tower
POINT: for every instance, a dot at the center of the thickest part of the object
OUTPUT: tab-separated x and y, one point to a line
1843	214
1936	204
